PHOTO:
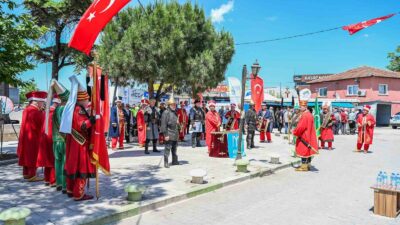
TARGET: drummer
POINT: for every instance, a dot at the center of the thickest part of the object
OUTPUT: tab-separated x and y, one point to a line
213	122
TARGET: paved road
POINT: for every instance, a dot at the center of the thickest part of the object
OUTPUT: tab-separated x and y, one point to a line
336	192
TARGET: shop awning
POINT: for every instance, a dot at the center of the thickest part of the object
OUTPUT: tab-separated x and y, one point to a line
343	104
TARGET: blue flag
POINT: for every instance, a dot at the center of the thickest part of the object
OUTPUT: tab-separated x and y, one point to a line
233	145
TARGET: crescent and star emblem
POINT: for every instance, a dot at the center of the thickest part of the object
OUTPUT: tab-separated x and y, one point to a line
92	15
257	88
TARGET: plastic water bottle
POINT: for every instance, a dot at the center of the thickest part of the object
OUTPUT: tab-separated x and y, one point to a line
384	179
392	180
379	179
398	181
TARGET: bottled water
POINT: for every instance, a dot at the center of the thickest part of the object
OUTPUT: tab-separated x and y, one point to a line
392	180
384	179
379	179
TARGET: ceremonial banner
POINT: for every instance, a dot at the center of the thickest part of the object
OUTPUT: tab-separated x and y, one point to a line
100	110
235	90
66	118
354	28
93	21
317	118
233	140
257	91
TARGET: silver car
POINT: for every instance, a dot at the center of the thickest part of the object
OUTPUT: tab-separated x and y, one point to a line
395	121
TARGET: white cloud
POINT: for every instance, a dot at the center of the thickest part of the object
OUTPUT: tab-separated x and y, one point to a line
272	18
217	15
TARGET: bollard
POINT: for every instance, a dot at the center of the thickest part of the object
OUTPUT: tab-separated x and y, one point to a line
198	176
135	192
15	216
274	159
241	165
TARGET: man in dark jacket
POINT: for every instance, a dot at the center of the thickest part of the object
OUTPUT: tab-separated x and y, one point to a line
128	120
250	124
151	118
170	129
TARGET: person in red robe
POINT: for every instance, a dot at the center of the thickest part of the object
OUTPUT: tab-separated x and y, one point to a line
366	124
78	167
46	155
183	121
141	124
32	122
327	127
306	137
213	122
233	118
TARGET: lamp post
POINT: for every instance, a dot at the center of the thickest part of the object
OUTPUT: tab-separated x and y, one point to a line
255	68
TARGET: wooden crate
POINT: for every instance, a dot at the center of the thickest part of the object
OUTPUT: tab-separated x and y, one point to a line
386	202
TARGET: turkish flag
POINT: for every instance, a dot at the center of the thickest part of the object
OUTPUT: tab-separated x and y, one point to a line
100	106
257	91
354	28
93	21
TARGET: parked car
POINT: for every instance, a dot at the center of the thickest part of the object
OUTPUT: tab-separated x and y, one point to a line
395	121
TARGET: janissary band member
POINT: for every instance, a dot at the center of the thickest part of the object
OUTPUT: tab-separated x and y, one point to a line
213	122
306	137
46	154
170	128
161	137
31	127
233	118
58	138
117	125
141	124
183	121
328	120
250	125
78	167
152	120
197	118
264	118
366	124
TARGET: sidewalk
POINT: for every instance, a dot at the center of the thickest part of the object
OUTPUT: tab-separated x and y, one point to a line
164	186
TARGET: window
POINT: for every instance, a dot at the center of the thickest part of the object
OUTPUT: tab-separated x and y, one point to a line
383	89
322	92
352	90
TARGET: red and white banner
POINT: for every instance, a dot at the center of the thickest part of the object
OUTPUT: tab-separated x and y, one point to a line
257	91
354	28
93	21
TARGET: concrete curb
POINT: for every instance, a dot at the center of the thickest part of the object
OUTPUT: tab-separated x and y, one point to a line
137	208
8	162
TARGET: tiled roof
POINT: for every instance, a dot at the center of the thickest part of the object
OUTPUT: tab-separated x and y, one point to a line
363	71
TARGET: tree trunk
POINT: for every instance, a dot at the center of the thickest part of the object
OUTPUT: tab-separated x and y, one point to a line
56	55
150	88
158	94
115	92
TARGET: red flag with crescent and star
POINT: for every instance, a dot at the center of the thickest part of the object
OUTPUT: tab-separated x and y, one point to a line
257	91
354	28
96	17
100	105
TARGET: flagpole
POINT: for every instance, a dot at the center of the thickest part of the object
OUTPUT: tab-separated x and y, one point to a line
94	94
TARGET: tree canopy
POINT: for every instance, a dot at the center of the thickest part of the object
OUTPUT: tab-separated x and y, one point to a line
29	86
60	18
394	60
16	33
169	43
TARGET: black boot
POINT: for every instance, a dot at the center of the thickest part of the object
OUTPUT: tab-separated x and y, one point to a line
175	161
193	141
146	148
155	147
166	165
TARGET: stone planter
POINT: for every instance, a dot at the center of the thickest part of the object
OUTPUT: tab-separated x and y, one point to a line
135	192
241	165
198	176
15	216
274	159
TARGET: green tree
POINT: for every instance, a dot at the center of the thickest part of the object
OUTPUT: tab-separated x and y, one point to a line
29	86
16	32
167	43
60	18
394	60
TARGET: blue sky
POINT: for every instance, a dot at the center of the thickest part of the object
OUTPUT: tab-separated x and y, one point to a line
329	52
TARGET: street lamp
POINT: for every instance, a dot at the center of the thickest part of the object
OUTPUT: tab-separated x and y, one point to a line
255	68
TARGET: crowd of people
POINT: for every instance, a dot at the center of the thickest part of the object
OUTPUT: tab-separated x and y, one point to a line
60	144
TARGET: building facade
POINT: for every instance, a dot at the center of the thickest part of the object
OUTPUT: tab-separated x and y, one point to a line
376	87
301	80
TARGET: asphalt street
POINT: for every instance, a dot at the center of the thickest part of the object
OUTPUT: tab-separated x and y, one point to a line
337	191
